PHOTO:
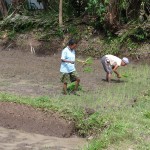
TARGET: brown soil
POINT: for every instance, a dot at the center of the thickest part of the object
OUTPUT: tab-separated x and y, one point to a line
26	118
11	139
26	74
23	73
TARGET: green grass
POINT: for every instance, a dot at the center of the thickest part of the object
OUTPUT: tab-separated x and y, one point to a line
130	128
87	69
71	87
122	111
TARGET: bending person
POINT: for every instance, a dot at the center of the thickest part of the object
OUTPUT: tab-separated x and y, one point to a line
111	63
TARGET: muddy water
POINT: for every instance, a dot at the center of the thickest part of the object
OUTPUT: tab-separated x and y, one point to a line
19	140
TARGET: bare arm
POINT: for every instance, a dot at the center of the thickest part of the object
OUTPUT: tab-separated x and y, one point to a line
116	72
67	61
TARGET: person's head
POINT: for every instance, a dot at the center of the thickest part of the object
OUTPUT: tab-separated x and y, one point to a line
124	61
72	44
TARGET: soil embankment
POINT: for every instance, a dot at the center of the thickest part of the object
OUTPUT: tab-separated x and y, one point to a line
26	118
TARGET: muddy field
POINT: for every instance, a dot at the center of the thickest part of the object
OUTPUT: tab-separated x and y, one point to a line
23	73
26	74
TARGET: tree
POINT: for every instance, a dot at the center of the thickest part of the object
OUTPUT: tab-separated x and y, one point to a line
133	9
45	4
60	13
3	8
77	7
112	17
17	5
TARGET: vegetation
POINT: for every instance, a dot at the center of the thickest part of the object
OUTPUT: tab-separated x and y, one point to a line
124	23
119	116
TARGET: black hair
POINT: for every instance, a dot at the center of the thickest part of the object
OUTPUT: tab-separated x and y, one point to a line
72	41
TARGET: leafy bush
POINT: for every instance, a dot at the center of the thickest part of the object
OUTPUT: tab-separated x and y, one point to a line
98	9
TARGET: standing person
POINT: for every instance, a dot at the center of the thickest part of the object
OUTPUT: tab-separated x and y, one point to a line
67	67
111	63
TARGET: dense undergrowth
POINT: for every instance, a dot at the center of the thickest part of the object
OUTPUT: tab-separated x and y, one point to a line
45	27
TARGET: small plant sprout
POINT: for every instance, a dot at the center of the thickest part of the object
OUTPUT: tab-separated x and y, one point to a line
88	61
86	64
125	75
71	87
88	69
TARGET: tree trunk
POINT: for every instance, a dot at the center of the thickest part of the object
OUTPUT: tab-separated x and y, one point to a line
112	16
60	13
3	8
113	12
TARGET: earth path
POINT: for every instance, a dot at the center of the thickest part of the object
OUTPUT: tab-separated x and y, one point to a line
19	140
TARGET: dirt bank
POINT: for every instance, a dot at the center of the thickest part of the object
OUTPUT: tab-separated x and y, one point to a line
26	118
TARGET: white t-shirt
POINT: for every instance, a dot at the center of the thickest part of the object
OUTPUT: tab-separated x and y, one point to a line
114	60
67	54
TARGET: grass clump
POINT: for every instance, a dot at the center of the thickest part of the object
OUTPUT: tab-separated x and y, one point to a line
91	124
71	87
87	69
147	115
